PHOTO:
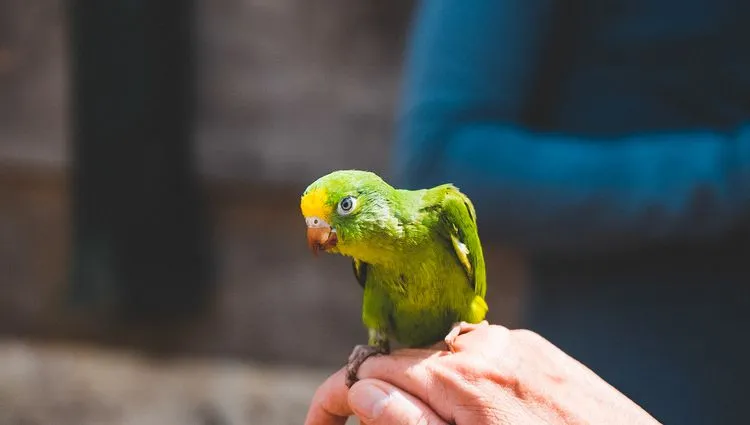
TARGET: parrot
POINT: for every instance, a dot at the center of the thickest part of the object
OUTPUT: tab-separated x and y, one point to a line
416	254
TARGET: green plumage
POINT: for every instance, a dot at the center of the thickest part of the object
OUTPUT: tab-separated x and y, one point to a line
416	253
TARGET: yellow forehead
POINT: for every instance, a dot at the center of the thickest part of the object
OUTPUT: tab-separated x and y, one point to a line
313	204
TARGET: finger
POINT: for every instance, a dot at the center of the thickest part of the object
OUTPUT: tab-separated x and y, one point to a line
457	330
377	402
454	339
483	338
440	378
329	405
413	371
466	327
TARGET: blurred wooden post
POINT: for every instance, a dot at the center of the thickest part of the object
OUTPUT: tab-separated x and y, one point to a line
139	232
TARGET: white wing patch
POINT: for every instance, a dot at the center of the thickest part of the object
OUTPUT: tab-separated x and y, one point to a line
462	252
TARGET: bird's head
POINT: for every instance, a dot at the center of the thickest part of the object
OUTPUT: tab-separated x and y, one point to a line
349	212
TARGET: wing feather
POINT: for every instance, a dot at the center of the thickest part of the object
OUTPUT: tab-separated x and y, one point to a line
458	225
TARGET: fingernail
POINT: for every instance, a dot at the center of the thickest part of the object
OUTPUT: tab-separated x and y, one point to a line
368	400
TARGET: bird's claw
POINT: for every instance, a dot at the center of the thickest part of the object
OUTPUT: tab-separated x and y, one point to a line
357	357
460	328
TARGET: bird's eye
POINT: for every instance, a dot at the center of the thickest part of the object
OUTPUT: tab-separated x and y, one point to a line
347	205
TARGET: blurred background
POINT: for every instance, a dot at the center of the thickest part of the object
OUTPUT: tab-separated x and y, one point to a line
153	265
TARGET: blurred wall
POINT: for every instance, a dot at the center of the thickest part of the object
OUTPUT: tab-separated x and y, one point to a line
288	90
33	82
291	88
287	87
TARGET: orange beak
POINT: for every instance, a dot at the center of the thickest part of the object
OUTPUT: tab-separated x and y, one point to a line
320	235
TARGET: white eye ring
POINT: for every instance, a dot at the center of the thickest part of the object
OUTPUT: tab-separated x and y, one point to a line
346	205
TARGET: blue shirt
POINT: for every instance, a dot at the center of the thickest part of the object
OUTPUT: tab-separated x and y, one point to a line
584	124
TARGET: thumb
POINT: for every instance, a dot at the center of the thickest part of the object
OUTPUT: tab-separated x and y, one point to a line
377	402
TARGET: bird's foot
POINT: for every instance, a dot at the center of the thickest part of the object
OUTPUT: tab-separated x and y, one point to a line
357	357
460	328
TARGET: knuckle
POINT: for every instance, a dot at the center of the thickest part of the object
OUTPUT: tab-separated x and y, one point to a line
498	330
528	336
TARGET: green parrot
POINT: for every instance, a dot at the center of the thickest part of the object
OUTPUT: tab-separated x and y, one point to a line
416	253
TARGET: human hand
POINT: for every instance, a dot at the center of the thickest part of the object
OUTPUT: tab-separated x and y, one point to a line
496	376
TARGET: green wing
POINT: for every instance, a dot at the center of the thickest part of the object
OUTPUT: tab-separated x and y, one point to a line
458	224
